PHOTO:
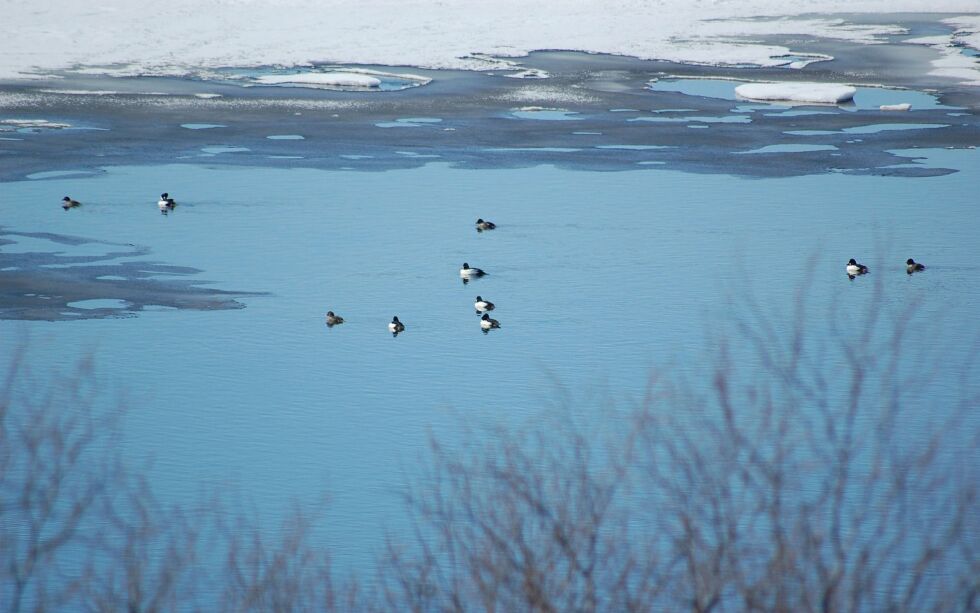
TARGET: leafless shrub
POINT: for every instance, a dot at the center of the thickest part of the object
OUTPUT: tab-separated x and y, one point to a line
528	520
822	468
821	471
78	532
148	557
279	571
813	465
56	465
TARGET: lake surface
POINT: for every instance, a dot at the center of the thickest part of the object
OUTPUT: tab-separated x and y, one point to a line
599	279
628	243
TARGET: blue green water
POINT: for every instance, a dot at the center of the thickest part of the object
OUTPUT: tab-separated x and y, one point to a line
600	279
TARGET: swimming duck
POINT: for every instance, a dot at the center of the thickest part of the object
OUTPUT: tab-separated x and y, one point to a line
913	266
468	273
166	202
486	323
333	319
853	268
68	203
482	225
396	326
482	305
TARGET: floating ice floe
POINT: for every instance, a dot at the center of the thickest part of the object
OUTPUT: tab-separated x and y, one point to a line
905	106
39	124
529	73
320	79
812	93
360	79
99	92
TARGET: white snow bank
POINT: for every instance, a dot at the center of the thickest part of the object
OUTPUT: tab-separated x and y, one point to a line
321	79
905	106
42	37
815	93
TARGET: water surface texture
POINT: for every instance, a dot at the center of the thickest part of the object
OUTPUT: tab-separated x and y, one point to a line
639	207
597	277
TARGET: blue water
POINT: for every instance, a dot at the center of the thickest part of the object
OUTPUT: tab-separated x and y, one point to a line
599	279
409	122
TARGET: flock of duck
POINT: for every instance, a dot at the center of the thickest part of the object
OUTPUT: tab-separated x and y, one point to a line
854	269
165	203
466	273
396	327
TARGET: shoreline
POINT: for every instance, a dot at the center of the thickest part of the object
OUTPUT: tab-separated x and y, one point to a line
481	122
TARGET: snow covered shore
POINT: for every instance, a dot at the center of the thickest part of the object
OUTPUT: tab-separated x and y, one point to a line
186	37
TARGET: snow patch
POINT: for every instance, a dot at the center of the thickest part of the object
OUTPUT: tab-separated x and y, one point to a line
807	93
44	38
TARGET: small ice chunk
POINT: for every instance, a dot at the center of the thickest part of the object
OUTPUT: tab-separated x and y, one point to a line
815	93
895	107
529	73
334	79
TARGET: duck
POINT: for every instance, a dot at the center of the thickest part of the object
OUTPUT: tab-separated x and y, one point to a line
853	268
68	203
396	326
913	266
482	305
468	273
166	202
333	319
482	224
487	323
